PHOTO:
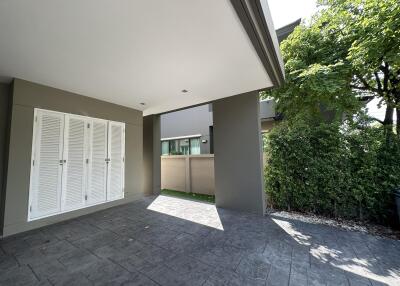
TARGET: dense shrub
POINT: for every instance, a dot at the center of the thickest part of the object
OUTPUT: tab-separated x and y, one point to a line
338	171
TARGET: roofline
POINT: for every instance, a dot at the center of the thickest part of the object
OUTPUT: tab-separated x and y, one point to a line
283	32
256	20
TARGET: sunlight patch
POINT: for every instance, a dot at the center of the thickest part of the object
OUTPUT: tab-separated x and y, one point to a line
362	267
296	235
197	212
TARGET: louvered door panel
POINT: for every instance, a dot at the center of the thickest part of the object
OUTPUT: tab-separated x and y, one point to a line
116	153
74	174
97	178
77	161
46	170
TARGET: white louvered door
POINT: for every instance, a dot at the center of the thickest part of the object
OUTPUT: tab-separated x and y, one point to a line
77	161
116	156
97	176
74	163
47	149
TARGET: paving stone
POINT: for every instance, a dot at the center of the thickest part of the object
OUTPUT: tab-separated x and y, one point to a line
119	249
132	245
8	262
182	243
57	249
30	255
97	240
167	277
298	278
155	254
104	271
18	276
135	279
191	268
278	276
68	279
159	236
48	268
315	279
136	264
245	281
254	267
78	260
225	257
225	277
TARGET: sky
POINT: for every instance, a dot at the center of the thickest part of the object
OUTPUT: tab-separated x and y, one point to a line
287	11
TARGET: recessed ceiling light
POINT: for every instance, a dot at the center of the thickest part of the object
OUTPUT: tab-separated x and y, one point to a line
142	103
184	90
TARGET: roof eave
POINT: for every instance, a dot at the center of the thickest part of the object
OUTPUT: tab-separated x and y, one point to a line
256	19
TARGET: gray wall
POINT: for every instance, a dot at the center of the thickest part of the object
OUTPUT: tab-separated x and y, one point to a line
5	101
151	154
27	96
238	154
195	120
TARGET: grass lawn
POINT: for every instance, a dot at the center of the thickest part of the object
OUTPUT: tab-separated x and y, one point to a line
192	196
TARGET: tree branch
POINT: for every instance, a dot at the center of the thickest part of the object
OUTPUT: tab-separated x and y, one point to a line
363	88
378	120
385	70
378	81
364	82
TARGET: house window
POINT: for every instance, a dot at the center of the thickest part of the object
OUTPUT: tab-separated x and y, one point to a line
194	146
165	147
174	147
186	146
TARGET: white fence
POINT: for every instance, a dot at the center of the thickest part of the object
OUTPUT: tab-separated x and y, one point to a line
188	173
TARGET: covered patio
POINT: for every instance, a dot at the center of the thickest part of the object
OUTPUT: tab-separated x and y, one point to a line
169	241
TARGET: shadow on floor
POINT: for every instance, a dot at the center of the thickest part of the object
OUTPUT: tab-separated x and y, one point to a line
170	241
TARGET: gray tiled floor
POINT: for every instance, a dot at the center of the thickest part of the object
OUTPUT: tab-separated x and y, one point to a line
169	241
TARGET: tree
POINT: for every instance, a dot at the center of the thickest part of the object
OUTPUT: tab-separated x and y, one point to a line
349	51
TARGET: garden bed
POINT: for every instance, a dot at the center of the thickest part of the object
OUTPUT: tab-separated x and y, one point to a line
369	228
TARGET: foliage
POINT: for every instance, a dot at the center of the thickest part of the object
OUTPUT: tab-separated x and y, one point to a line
350	50
347	171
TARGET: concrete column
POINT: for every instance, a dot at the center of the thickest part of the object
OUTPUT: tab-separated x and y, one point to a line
239	183
152	154
5	122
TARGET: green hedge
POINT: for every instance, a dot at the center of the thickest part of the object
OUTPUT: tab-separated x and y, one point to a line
331	170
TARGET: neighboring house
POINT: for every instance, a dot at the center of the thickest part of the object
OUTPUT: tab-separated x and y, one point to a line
284	32
191	131
83	87
188	131
268	116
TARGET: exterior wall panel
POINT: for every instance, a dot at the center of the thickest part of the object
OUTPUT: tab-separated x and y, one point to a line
26	97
